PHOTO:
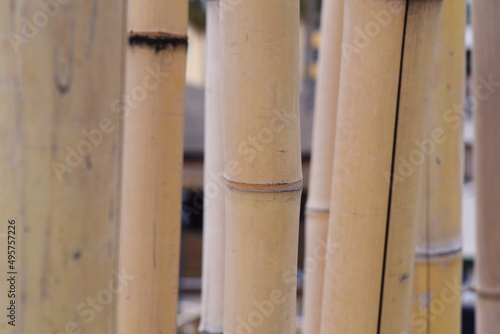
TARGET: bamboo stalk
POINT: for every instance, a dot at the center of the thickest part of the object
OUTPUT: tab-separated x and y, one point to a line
384	82
260	104
152	165
59	160
436	302
214	203
485	99
318	202
10	146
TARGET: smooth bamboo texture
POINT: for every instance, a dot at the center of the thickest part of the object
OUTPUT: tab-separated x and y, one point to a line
212	298
152	165
384	84
60	84
318	201
436	302
260	104
10	143
486	99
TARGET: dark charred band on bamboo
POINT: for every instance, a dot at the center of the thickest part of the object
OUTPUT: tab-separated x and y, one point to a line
158	41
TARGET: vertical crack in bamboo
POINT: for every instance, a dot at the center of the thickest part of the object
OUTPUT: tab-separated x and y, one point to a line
393	161
374	239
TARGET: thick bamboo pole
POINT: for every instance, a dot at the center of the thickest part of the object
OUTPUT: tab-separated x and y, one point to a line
10	147
260	104
59	160
318	202
436	302
384	82
486	99
214	203
152	165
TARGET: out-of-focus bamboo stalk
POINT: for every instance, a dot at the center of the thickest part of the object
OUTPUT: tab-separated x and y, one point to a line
318	202
385	78
486	101
59	157
10	143
260	104
214	203
436	302
152	165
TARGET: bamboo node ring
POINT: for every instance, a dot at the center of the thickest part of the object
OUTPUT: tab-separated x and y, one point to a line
265	187
485	293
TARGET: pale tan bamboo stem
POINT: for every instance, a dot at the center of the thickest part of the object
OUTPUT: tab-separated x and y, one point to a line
214	202
152	166
260	104
318	202
486	99
384	83
10	147
436	302
60	185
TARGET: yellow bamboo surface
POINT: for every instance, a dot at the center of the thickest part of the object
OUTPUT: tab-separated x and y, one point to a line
59	77
214	202
260	104
388	51
318	201
485	100
152	165
436	307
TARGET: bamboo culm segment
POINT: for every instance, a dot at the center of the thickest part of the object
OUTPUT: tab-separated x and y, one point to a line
214	206
58	184
486	24
318	202
381	113
152	166
260	99
436	302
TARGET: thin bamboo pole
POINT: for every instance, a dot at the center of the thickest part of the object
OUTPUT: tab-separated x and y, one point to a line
384	81
152	165
486	99
212	298
318	202
60	159
260	104
436	302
